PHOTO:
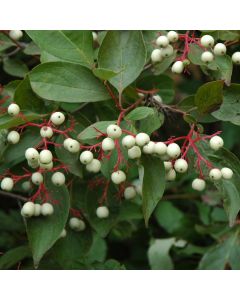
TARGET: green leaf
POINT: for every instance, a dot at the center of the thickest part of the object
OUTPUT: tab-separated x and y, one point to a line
139	113
123	52
66	82
5	42
158	254
153	184
69	45
161	67
230	108
43	232
224	69
209	96
104	74
32	49
152	122
15	67
13	256
195	53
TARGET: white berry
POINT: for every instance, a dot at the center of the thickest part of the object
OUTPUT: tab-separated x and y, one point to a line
207	41
162	41
73	146
37	210
15	34
28	209
134	152
95	36
94	166
37	178
128	141
45	156
172	36
102	212
220	49
216	142
129	192
13	137
138	186
149	148
167	165
57	118
227	173
77	224
142	139
7	184
158	98
198	184
236	57
171	175
86	157
58	178
181	165
168	51
173	150
207	57
34	164
46	166
160	148
108	144
47	209
215	174
156	55
178	67
114	131
118	177
46	132
13	109
32	154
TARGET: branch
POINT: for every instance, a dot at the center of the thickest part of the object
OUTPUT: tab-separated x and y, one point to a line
14	196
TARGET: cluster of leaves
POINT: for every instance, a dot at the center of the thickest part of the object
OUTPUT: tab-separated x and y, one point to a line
68	71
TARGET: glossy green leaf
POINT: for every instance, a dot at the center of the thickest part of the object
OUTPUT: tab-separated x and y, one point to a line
139	113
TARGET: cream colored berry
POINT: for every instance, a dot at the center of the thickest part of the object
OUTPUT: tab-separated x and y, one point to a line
160	148
13	137
129	192
149	148
215	174
28	209
86	157
227	173
47	209
134	152
142	139
45	156
57	118
13	109
58	178
128	141
102	212
198	184
114	131
108	144
94	166
7	184
118	177
37	178
46	132
173	150
77	224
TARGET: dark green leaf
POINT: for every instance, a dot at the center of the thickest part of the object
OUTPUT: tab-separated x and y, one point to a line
13	256
139	113
15	67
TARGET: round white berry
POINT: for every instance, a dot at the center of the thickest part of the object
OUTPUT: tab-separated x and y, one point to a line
86	157
7	184
15	34
215	174
198	184
32	154
156	55
95	36
227	173
171	175
13	137
57	118
118	177
167	165
77	224
172	36
160	148
128	141
73	146
134	152
37	210
236	57
28	209
58	178
178	67
114	131
47	209
158	98
162	41
63	234
181	165
207	57
216	142
45	156
142	139
207	41
138	186
220	49
94	166
102	212
168	51
37	178
46	167
66	143
26	186
46	132
13	109
129	192
149	148
108	144
173	150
